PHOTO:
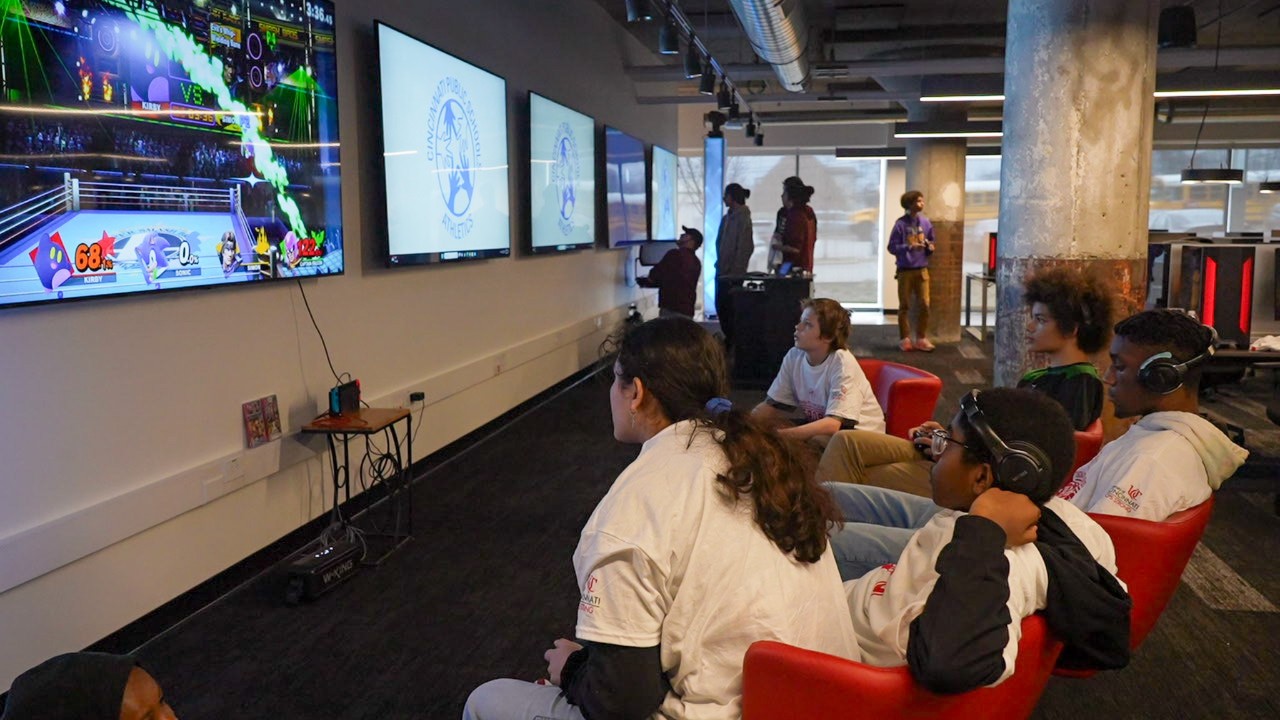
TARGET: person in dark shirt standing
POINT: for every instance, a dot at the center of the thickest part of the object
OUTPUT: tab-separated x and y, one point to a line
676	276
734	245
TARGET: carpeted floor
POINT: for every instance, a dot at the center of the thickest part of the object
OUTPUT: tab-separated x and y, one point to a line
487	584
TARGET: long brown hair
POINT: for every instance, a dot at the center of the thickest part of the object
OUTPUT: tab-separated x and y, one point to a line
683	367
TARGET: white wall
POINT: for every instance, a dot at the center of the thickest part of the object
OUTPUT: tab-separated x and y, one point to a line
121	415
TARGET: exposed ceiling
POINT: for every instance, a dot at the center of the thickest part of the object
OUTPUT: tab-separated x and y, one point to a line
867	61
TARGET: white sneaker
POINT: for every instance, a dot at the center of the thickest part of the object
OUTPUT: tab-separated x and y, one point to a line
925	345
905	345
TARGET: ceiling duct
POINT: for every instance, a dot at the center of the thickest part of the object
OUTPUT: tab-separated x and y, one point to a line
779	35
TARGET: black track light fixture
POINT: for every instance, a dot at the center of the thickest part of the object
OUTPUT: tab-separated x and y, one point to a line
669	38
735	112
724	98
1269	187
707	86
750	130
638	11
692	61
759	139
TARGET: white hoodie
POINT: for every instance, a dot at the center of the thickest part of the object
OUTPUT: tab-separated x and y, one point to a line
1166	462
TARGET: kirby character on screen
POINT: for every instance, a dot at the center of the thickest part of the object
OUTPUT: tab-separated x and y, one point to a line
53	266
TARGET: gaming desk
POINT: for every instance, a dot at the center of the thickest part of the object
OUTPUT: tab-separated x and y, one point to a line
368	421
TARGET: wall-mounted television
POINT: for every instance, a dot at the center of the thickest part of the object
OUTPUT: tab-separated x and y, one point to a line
662	201
562	177
152	147
444	150
625	190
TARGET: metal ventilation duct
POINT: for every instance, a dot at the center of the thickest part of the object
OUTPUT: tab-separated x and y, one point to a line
780	36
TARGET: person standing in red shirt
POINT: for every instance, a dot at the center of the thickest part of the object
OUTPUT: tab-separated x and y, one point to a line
676	276
798	225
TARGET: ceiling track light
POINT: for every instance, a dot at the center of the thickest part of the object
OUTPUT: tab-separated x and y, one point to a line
1213	176
759	139
735	111
724	98
638	11
1269	186
692	61
669	38
750	130
707	86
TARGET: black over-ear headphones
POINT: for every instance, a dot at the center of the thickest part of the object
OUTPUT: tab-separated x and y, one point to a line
1019	466
1162	375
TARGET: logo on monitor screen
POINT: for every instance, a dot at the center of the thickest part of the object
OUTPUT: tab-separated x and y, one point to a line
453	144
565	173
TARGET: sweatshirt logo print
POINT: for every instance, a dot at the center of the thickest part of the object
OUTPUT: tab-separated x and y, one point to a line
589	602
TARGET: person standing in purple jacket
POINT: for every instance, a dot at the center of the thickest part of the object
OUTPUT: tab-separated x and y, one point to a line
911	242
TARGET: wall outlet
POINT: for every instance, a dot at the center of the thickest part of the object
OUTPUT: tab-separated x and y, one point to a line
417	396
233	471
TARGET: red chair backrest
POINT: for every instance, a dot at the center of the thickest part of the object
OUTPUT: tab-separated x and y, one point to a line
1150	558
1088	443
907	395
782	682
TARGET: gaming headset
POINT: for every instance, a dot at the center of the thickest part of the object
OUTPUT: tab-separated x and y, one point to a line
1161	375
1019	466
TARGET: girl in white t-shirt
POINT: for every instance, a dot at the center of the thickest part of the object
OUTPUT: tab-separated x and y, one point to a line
820	388
712	539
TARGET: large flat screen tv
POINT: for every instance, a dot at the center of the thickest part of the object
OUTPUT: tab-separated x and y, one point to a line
625	191
158	146
662	201
444	149
562	177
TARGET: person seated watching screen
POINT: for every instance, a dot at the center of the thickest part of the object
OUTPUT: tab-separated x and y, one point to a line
1171	459
87	686
676	276
713	538
1070	318
992	547
820	387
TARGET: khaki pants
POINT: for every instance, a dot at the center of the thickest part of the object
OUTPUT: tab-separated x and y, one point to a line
913	285
863	457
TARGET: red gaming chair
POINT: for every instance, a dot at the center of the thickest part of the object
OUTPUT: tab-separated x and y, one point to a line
782	682
1088	443
907	395
1150	558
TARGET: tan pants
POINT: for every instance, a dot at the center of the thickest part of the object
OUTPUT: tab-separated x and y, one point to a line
913	284
863	457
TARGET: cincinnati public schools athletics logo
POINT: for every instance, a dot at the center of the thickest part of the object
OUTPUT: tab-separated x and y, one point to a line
453	144
565	172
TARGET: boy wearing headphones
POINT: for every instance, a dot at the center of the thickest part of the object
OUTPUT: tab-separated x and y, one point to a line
993	547
1171	459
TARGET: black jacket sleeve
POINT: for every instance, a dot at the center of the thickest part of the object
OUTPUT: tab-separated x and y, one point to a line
957	643
1081	396
1085	605
615	682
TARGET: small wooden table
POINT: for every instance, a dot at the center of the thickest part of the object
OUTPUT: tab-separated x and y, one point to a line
368	421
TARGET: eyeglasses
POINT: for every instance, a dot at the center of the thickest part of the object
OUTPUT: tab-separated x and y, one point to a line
938	440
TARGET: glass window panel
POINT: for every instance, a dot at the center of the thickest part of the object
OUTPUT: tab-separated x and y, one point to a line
1200	209
763	176
1261	210
846	263
981	209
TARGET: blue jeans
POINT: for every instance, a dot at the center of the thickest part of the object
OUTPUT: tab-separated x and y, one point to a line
518	700
878	524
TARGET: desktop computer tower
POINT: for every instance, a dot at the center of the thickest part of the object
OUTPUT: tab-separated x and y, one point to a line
1217	284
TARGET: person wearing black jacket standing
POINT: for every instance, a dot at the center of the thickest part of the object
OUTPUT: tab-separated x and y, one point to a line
734	245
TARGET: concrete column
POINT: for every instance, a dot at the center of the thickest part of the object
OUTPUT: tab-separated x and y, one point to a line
1076	168
935	167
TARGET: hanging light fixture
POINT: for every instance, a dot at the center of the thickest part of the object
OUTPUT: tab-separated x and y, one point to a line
724	98
735	112
759	139
1269	186
669	38
638	11
707	86
750	130
692	61
1219	176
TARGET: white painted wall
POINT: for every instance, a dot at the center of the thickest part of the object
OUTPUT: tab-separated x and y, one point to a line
120	415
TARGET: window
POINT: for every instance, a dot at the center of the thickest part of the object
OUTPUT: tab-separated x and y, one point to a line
1200	209
846	199
981	209
1261	211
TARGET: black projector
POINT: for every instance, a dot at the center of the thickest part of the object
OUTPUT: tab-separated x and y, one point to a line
314	573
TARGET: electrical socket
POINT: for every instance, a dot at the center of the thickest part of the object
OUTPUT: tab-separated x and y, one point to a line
599	322
417	396
233	471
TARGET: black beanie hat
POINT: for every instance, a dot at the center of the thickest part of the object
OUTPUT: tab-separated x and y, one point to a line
74	686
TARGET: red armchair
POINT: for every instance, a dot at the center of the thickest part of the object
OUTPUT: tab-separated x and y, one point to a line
782	682
1150	558
1088	443
907	395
